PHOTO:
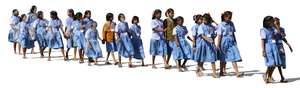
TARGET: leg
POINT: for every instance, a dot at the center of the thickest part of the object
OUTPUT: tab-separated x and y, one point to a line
75	51
120	61
143	64
24	53
49	55
130	63
67	53
167	66
63	53
107	56
282	80
114	59
183	65
198	69
178	64
235	67
81	60
213	65
42	52
15	46
19	45
153	62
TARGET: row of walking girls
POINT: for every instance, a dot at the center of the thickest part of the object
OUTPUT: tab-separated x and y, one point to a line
210	41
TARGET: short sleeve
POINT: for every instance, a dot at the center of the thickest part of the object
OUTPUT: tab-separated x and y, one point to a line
219	29
233	27
34	24
174	31
263	34
194	30
154	24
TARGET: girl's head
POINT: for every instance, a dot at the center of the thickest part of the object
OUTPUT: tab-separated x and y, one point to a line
277	21
135	20
207	18
121	17
169	13
78	16
15	12
87	14
156	14
40	15
109	17
53	15
23	17
226	16
198	18
179	20
70	12
268	22
33	9
94	25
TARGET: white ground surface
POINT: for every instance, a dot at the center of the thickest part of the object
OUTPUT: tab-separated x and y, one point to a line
35	72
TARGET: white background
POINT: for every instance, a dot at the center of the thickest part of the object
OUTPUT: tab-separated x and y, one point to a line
34	72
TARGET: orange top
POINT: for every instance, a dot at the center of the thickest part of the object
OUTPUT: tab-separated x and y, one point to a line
108	32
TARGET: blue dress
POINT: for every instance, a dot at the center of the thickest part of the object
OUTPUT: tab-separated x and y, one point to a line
280	35
137	41
13	34
184	51
125	47
228	47
40	26
198	44
272	54
78	37
209	49
31	18
69	32
24	40
158	44
95	50
54	36
87	22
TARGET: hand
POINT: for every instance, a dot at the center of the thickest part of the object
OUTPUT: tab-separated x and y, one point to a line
194	50
291	49
264	54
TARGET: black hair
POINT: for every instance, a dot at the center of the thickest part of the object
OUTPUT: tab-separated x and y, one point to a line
168	11
14	10
226	14
208	18
95	23
72	12
32	8
53	15
22	16
87	12
156	11
197	17
39	14
119	16
78	16
109	16
277	19
268	20
179	18
135	18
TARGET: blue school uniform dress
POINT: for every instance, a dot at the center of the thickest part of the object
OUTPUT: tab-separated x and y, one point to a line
280	35
78	37
124	44
136	41
87	22
69	31
31	18
94	51
184	50
272	54
13	34
24	40
209	49
54	36
157	44
40	26
198	43
228	47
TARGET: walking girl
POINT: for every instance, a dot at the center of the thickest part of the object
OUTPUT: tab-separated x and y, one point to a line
13	34
136	40
40	26
69	33
24	40
93	50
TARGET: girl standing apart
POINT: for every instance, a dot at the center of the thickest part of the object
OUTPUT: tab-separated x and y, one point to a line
14	31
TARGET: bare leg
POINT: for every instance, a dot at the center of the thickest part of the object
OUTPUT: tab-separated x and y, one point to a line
120	61
130	63
183	65
24	53
15	47
167	66
153	62
19	48
42	52
49	54
75	51
213	65
178	64
63	53
281	75
235	67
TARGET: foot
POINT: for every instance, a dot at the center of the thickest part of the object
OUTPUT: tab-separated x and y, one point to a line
168	66
120	65
240	74
116	63
185	68
130	65
154	67
265	78
283	81
107	63
214	75
179	70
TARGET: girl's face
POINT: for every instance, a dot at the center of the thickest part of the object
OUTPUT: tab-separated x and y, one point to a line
171	14
158	15
42	15
24	19
205	21
227	18
88	15
69	13
199	21
135	21
16	13
94	26
276	22
180	22
34	10
122	18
